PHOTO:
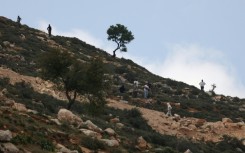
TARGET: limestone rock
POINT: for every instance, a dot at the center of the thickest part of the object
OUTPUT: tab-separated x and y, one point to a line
92	126
91	133
8	148
5	135
227	120
65	115
110	131
110	143
20	107
119	125
114	120
56	121
188	151
63	149
141	143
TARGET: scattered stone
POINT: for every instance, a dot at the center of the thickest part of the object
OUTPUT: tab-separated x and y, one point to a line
5	135
227	120
63	149
110	143
56	121
188	151
22	37
6	43
92	126
91	133
141	143
114	120
8	148
20	107
65	115
110	131
119	125
32	111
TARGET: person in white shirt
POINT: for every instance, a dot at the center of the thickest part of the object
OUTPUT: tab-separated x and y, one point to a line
202	84
169	109
146	88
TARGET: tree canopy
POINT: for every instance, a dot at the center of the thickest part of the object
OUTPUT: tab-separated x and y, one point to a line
121	35
73	76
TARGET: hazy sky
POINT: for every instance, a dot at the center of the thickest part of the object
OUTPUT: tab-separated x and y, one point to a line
185	40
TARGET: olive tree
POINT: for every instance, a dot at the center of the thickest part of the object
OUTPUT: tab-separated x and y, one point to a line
74	77
121	35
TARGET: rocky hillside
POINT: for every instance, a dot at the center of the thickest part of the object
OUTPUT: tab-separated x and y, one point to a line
34	118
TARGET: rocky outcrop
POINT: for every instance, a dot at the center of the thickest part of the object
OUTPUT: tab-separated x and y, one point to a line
8	148
92	126
67	116
5	135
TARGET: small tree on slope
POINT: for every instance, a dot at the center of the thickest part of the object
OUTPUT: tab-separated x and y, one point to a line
121	35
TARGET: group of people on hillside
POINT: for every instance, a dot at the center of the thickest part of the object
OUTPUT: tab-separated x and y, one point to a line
147	88
49	28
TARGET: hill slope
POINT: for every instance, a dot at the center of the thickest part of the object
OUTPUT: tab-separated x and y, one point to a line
21	83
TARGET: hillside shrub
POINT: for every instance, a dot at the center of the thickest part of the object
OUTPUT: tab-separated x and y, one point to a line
92	143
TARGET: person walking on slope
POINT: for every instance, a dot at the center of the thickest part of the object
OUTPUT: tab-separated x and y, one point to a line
146	90
202	84
49	30
169	109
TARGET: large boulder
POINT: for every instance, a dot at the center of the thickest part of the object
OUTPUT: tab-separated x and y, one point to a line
110	132
5	135
92	126
141	144
65	115
226	120
8	148
20	107
91	133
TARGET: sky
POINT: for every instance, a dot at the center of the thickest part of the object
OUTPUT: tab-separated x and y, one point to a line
184	40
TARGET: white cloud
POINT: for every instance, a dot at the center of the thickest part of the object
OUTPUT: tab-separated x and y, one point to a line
191	63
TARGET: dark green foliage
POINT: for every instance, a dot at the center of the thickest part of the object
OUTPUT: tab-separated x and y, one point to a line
121	35
92	143
167	150
46	144
60	66
22	139
135	119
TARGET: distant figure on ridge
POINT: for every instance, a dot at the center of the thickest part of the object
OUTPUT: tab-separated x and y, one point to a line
146	91
169	107
202	84
49	30
18	20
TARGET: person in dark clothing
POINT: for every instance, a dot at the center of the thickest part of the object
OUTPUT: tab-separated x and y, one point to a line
18	20
49	30
122	89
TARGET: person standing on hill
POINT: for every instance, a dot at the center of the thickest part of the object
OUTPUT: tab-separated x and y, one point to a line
146	90
18	20
169	107
49	30
202	84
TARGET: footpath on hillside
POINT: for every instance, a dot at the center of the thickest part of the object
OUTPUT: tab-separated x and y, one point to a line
192	128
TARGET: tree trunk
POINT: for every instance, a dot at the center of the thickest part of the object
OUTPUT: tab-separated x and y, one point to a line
114	52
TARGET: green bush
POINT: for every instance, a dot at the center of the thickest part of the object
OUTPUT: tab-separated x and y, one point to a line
22	139
92	143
